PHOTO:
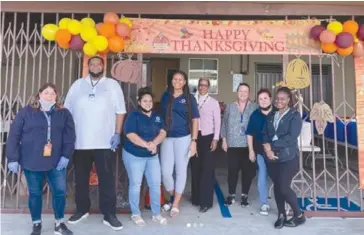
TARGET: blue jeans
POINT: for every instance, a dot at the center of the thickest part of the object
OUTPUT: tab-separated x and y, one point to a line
135	167
57	182
262	180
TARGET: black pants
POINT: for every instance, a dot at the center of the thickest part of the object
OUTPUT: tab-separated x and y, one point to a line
203	172
282	174
104	160
238	159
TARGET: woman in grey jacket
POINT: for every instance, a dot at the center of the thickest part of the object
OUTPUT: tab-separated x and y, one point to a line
280	135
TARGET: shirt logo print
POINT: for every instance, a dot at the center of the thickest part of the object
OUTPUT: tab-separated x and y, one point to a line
182	101
158	119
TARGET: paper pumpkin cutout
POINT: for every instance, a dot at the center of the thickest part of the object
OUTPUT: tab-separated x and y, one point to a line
297	75
321	113
128	71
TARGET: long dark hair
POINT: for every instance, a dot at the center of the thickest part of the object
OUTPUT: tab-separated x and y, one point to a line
34	102
187	95
289	93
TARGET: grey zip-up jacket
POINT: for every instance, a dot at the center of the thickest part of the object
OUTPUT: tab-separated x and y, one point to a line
232	128
289	128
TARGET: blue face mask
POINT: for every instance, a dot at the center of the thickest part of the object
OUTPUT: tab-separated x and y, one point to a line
46	106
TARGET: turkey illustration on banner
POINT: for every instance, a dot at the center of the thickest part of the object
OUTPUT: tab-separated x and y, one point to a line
88	36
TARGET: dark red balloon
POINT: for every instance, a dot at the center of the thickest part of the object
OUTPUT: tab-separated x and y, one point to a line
344	40
316	31
76	43
360	33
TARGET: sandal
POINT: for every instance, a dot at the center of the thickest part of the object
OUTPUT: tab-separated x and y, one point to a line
138	220
166	207
160	219
174	212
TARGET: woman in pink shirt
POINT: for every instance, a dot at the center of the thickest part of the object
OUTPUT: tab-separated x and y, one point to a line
203	166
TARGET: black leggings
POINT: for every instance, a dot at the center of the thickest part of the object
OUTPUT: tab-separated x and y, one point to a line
238	159
282	174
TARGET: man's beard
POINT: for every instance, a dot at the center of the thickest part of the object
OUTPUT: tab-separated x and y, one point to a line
145	110
96	75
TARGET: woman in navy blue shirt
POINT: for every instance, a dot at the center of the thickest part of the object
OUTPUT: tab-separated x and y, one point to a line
41	140
144	131
180	112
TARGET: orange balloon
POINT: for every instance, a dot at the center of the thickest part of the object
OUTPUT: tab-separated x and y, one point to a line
116	44
345	51
111	17
103	53
351	26
328	47
108	30
64	45
98	26
63	36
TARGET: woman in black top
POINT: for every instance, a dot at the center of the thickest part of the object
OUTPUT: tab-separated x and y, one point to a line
280	143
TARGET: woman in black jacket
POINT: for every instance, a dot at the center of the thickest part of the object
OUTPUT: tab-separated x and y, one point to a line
280	143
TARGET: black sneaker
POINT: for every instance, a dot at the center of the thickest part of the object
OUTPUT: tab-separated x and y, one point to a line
229	200
244	201
62	229
77	217
295	221
37	229
112	222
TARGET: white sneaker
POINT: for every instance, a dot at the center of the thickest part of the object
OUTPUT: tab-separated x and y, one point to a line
264	210
159	219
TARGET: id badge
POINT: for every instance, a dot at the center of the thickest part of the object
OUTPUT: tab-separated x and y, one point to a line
47	152
242	131
91	96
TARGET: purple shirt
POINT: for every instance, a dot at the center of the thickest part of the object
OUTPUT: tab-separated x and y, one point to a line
210	116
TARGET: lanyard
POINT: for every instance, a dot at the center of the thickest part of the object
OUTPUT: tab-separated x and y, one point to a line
242	114
93	85
200	106
278	118
49	126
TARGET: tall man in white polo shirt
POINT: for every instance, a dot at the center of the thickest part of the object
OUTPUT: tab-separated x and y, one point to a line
98	108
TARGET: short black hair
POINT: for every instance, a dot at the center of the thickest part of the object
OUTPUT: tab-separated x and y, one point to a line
243	84
144	91
96	57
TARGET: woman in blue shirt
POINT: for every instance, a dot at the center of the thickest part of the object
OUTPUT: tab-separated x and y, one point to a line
180	112
280	135
144	131
41	140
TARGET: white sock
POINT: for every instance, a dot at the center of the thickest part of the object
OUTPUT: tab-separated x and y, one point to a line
37	222
58	222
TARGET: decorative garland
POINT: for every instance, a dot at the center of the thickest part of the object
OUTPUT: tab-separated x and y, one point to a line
89	37
344	39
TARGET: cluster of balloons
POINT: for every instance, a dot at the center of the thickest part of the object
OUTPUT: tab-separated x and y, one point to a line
89	37
344	39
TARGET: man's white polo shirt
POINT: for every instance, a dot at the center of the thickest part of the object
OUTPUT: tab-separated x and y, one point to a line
94	111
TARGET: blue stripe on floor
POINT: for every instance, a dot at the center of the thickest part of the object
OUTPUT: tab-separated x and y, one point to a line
225	212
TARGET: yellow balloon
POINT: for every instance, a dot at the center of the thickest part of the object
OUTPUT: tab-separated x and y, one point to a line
89	49
335	26
126	21
100	43
49	31
88	33
88	22
356	39
63	23
74	27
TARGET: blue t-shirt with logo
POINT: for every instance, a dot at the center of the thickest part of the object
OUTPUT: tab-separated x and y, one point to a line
147	128
180	124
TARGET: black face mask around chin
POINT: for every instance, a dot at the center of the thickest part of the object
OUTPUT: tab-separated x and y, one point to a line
145	110
96	75
266	108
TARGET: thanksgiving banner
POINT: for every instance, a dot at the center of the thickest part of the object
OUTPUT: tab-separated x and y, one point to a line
221	37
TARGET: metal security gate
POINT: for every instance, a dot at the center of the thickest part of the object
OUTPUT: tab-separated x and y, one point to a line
327	183
27	62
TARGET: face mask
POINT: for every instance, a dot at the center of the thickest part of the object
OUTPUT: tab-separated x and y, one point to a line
96	75
266	109
46	106
145	110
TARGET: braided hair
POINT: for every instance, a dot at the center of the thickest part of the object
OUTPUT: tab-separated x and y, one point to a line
187	95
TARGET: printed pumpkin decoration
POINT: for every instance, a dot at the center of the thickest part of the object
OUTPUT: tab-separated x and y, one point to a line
321	113
297	75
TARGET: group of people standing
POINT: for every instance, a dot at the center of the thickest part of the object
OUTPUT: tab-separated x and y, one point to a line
158	145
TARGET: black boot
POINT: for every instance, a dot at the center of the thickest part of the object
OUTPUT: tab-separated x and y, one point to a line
280	221
295	221
37	229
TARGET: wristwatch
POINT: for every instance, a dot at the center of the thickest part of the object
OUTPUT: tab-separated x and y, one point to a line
194	140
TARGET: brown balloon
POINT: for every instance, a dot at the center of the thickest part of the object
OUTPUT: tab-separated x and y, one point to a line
358	49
